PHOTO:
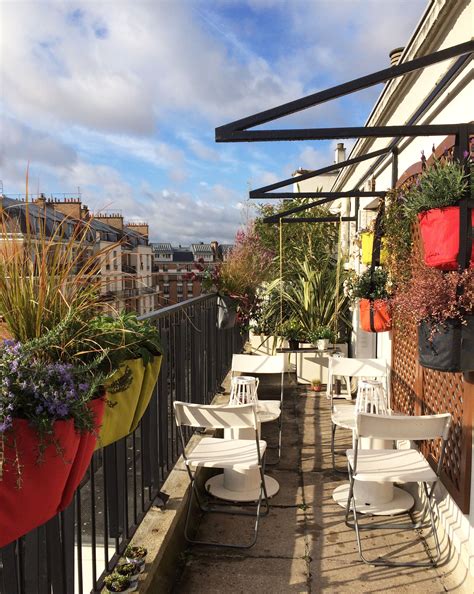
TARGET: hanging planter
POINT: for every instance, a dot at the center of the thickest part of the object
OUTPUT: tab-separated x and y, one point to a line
440	234
32	494
367	242
85	450
125	408
226	312
375	315
449	348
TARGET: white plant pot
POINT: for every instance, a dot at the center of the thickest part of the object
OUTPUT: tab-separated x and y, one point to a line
322	344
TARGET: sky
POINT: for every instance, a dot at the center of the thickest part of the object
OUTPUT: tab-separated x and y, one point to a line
119	99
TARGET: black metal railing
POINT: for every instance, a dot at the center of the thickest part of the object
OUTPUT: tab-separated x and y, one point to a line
72	552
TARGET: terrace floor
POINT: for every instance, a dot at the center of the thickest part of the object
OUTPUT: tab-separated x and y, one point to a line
304	544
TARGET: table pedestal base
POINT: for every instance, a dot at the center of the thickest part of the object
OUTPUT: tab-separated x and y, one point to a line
400	503
218	486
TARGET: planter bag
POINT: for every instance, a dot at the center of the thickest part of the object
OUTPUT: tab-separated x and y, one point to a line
451	347
439	229
226	312
83	457
152	371
375	315
367	240
42	484
121	406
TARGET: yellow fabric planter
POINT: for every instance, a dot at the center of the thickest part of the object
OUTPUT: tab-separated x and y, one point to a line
367	247
124	409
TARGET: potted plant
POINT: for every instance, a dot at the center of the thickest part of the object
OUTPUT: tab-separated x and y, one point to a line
316	385
131	570
321	336
372	290
442	306
434	202
292	331
136	554
119	583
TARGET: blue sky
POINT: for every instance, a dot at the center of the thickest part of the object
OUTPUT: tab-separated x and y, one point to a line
121	99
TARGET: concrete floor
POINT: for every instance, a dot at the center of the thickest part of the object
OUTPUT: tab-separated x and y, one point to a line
303	544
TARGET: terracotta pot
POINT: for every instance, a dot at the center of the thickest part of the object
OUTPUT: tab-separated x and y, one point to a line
375	315
42	483
439	229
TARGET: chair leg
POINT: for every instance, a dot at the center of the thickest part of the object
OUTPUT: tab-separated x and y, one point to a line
194	493
384	562
333	452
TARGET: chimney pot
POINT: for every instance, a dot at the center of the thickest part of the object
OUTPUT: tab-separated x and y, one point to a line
394	55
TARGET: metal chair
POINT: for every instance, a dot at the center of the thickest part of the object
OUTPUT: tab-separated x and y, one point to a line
343	415
267	410
211	452
400	466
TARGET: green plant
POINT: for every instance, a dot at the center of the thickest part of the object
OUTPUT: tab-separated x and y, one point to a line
46	272
369	285
398	233
441	185
129	569
292	330
117	583
321	333
316	382
135	552
315	297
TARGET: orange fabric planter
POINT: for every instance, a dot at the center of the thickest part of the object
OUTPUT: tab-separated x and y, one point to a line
440	233
375	315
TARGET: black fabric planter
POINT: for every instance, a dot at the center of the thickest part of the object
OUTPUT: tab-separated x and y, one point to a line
451	347
226	312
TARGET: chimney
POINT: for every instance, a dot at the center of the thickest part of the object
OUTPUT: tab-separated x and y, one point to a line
115	220
141	228
69	207
214	248
339	153
394	55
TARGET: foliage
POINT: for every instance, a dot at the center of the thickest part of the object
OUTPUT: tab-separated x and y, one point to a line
117	583
439	186
398	233
369	285
129	569
436	295
321	333
292	330
46	273
301	241
242	272
135	552
314	297
122	337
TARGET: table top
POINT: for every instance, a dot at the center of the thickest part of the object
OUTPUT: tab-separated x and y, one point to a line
309	350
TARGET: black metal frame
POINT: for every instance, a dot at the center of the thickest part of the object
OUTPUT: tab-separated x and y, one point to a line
238	131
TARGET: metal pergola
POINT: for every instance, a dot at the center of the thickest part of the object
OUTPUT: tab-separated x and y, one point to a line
240	131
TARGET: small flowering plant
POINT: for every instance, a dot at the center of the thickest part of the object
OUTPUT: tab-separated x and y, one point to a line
369	285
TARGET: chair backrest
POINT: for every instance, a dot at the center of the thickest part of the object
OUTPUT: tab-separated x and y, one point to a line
403	427
215	417
345	366
258	363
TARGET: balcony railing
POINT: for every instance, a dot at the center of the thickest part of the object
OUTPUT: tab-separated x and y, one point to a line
72	552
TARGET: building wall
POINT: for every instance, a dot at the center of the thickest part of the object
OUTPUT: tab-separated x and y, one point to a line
444	25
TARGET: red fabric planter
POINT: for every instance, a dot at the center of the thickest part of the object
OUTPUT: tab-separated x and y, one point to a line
84	454
440	233
42	484
375	315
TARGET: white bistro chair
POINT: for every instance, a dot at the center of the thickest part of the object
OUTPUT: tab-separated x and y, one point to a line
267	410
211	452
400	466
343	415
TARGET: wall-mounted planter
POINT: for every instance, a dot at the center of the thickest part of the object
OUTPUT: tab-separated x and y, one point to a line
375	315
83	457
367	240
37	498
124	409
439	229
226	312
451	347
